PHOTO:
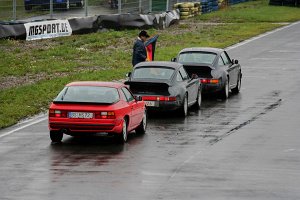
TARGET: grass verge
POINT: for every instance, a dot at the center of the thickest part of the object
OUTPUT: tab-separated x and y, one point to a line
33	72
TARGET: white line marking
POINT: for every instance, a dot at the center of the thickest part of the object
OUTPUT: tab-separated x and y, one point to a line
228	48
177	170
22	127
283	51
259	36
283	59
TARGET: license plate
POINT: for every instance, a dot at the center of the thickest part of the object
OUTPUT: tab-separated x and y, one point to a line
81	115
150	103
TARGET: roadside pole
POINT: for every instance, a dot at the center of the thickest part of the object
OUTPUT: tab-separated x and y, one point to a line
51	9
119	7
167	5
140	6
14	10
150	6
86	7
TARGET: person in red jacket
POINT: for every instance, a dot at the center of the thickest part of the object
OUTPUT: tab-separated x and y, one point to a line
139	53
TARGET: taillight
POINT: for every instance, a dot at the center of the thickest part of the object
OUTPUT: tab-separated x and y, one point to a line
158	98
209	81
149	98
105	115
57	113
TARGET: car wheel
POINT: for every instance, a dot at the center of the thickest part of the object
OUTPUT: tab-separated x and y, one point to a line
238	85
183	111
141	129
56	136
224	94
197	105
124	134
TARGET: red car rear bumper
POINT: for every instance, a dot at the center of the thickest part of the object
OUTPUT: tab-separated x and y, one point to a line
89	126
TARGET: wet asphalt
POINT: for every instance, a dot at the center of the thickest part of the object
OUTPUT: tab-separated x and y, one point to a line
246	147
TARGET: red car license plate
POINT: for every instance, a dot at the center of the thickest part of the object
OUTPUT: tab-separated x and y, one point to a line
81	115
150	103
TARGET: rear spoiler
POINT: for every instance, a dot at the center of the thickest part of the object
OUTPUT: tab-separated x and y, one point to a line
197	65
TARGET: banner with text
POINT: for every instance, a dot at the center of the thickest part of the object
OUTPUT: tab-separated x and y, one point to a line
47	29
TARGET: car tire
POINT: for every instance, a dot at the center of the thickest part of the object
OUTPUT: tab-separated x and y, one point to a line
197	105
237	89
124	134
141	129
224	93
183	110
56	136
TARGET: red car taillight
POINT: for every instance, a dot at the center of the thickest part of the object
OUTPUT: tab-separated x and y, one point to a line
158	98
209	81
57	113
105	115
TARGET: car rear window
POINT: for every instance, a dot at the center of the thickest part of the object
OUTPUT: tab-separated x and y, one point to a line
197	57
162	73
88	94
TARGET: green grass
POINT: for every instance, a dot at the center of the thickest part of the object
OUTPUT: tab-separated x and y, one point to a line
106	56
16	103
254	11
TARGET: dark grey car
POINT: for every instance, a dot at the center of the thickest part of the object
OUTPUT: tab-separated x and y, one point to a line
165	86
217	71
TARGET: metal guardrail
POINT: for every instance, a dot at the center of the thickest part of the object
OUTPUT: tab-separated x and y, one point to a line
12	10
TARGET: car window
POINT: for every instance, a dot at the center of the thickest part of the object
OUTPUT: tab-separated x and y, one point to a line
162	73
197	57
221	62
183	73
225	59
127	94
88	94
179	77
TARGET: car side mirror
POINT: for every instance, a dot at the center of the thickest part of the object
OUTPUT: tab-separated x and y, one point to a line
194	76
173	59
138	98
128	74
235	61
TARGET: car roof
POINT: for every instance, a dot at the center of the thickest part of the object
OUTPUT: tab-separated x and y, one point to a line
169	64
97	83
204	49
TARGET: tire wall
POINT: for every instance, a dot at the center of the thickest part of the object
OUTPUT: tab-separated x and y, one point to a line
16	30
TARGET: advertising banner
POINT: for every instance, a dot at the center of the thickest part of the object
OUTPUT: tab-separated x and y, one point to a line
47	29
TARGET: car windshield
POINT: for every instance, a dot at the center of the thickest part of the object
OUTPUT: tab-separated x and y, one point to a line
197	57
88	94
162	73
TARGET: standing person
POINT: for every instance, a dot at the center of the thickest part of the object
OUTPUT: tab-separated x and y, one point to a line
139	50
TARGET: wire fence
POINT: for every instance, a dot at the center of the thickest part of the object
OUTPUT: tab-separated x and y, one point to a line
28	10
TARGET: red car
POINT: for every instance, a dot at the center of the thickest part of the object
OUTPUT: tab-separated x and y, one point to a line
83	108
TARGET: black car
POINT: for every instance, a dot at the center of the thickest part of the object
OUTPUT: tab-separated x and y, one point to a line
217	72
165	86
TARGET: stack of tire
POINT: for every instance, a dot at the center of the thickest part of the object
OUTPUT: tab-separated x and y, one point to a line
232	2
205	6
188	9
276	2
222	3
285	3
215	5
